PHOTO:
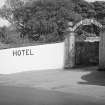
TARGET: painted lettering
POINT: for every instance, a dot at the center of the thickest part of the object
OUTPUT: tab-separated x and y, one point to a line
87	22
14	53
23	52
19	52
31	52
27	52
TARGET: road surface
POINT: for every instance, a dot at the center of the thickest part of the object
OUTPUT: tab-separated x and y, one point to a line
32	96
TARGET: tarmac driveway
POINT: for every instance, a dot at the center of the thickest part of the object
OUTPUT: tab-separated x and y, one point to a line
10	95
84	86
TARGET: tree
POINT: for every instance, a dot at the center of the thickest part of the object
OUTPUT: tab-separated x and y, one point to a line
7	10
3	34
85	9
99	7
45	18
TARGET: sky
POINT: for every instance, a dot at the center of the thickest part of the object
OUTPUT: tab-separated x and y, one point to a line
5	22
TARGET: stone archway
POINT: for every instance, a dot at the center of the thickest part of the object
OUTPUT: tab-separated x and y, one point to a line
70	43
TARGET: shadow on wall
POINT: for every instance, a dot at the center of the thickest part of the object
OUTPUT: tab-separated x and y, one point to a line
94	78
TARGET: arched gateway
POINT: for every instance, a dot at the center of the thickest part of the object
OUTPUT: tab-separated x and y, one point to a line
70	43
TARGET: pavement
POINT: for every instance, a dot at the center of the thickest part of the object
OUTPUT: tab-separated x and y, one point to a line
82	86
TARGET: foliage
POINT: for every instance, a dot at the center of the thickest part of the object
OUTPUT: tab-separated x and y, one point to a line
45	18
94	10
7	10
3	34
85	9
91	10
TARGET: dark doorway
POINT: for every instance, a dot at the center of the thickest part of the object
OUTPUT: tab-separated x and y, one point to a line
87	53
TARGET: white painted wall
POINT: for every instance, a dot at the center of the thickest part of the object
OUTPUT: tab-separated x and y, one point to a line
49	56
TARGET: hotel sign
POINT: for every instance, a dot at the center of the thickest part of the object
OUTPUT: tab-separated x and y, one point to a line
85	22
22	52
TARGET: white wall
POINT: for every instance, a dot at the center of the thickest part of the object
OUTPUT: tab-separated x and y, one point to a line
43	57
